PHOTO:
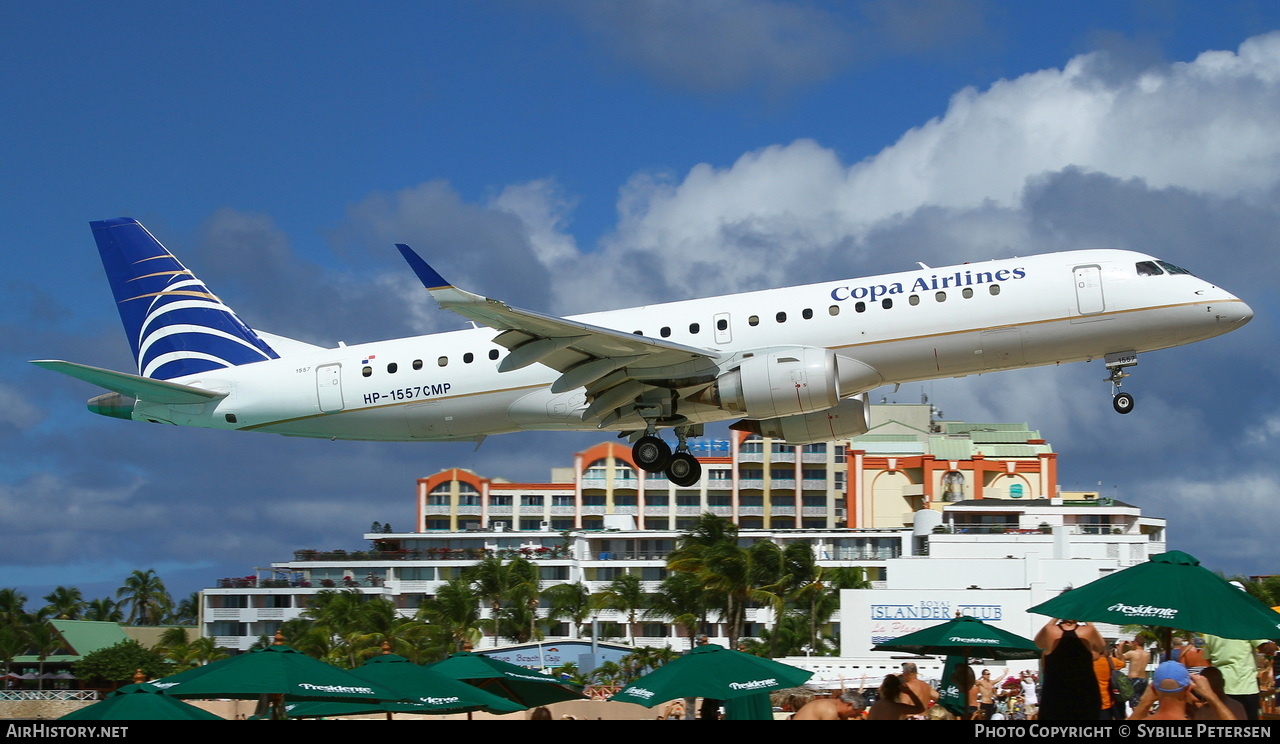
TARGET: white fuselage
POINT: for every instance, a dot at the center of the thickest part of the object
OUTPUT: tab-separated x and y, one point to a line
910	326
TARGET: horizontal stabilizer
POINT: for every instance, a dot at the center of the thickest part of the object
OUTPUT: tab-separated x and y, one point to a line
134	386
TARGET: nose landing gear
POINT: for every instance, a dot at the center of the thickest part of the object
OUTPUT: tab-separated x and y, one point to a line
1117	362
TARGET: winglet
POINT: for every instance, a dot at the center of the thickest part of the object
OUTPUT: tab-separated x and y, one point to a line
429	277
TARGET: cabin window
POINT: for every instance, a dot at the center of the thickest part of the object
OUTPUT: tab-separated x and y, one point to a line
694	328
665	332
1148	268
417	364
231	418
1173	269
807	314
366	370
392	367
493	354
468	358
834	310
637	333
886	303
914	300
994	289
941	297
722	324
443	361
860	307
781	317
967	293
754	320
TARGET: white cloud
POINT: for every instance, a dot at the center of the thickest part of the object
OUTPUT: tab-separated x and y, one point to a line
1217	519
544	209
16	408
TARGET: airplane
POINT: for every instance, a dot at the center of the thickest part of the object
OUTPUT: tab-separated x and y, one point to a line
793	363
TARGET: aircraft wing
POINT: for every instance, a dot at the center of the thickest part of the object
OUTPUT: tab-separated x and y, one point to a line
134	386
586	355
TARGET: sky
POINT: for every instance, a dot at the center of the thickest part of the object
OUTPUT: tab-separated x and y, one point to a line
574	155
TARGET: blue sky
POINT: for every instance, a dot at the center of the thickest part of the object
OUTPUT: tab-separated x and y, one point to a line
578	155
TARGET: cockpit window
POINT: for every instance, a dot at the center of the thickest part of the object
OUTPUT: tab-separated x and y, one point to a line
1173	269
1148	268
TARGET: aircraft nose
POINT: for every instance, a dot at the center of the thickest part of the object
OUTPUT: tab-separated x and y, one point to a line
1236	312
1245	313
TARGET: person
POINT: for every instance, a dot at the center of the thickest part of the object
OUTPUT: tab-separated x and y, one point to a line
1171	692
1208	712
1266	660
848	705
1069	690
1138	658
887	707
541	713
966	689
1239	669
1193	657
922	689
1112	703
1030	696
987	693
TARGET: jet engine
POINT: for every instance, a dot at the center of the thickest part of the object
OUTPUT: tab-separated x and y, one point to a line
786	381
849	418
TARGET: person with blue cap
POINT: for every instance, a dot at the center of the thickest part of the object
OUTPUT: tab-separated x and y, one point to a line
1171	691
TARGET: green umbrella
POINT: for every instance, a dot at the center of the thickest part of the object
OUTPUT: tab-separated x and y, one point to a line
964	636
140	702
1170	590
712	671
277	671
427	693
525	686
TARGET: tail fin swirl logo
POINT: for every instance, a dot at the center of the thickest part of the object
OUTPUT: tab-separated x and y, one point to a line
175	325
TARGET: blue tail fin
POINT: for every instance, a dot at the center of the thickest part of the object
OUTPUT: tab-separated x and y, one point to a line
175	325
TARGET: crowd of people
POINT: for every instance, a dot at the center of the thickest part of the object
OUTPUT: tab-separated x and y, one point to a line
1082	678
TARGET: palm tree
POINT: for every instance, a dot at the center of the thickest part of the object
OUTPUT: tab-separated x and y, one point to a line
187	611
680	600
44	641
609	673
732	576
625	594
13	643
202	651
572	602
515	582
341	615
819	599
382	628
65	603
454	613
145	596
104	610
13	608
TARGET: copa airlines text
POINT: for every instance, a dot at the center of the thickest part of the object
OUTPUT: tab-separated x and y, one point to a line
793	363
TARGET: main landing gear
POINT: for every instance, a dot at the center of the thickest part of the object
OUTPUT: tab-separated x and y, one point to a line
655	456
1122	402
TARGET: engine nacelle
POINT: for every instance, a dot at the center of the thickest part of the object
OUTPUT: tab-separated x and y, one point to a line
850	418
780	383
787	381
